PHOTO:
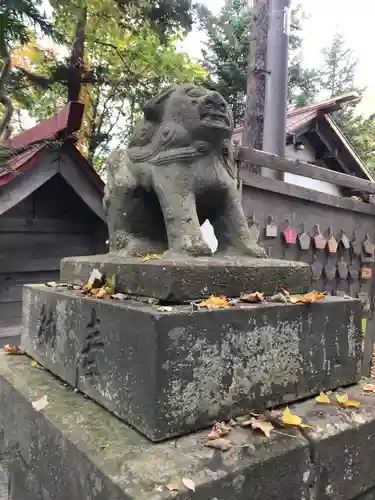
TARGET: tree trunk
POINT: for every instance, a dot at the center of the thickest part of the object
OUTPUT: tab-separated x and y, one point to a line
5	128
76	63
253	123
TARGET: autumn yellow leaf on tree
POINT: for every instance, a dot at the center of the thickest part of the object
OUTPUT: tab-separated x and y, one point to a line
322	398
288	418
214	302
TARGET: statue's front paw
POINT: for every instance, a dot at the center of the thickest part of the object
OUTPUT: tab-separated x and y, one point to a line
195	247
254	250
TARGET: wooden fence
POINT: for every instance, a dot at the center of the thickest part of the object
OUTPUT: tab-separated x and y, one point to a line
356	216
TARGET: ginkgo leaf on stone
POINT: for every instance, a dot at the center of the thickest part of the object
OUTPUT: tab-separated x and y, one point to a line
214	302
343	400
288	418
322	398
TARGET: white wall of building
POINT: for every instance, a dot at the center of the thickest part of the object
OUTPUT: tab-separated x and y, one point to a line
307	155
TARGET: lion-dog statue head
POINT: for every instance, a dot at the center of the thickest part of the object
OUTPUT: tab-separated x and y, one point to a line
183	121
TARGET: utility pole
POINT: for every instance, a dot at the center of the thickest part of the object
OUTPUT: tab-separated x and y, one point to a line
274	131
264	124
253	123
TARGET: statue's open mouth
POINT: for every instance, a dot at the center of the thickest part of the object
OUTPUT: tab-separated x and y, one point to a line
216	119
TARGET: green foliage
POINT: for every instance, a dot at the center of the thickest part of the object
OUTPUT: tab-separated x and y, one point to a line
227	50
339	67
17	19
337	77
120	70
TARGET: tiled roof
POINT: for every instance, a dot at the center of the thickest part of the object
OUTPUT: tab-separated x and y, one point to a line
297	117
61	125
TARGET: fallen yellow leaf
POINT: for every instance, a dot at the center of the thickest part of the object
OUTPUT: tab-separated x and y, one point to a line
219	430
369	387
215	303
34	364
322	398
151	256
102	293
252	298
344	400
308	298
289	419
12	349
352	403
263	425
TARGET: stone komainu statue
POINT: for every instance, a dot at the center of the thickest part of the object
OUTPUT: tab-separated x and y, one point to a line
177	172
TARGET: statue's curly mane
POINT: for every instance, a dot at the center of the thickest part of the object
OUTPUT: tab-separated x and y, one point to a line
156	140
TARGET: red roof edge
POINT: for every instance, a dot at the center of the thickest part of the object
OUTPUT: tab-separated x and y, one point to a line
65	122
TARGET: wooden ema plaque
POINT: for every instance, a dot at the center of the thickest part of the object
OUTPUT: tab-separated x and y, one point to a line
331	242
342	269
319	241
368	246
316	270
271	229
304	239
330	270
355	245
344	240
366	273
290	236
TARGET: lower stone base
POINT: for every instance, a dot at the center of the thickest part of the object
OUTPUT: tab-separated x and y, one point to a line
74	449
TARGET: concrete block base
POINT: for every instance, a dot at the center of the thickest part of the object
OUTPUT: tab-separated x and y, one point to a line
168	373
75	449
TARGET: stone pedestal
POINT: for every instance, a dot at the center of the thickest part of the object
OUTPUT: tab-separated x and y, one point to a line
168	373
75	449
183	279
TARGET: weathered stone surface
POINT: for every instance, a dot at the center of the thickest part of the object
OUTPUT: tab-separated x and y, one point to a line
342	445
183	279
74	449
167	373
177	172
